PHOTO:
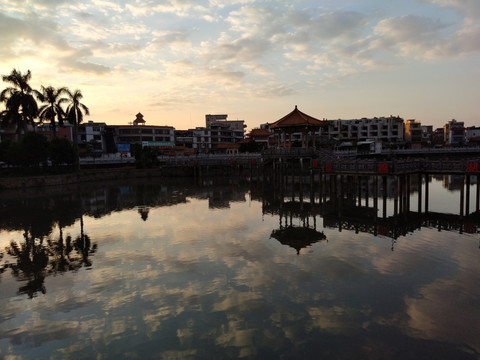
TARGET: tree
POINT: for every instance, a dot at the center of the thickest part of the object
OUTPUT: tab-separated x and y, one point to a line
52	109
61	152
35	149
75	112
20	105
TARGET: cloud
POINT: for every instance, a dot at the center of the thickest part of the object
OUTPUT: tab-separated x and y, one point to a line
72	63
180	8
257	21
168	38
467	8
338	25
462	42
237	51
32	31
409	34
273	89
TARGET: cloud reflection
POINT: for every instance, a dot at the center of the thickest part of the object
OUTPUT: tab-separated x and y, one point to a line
194	281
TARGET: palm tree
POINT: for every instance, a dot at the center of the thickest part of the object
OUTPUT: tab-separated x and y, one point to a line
20	105
52	109
75	112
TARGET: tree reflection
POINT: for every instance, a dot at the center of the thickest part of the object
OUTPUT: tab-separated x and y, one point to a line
38	257
32	260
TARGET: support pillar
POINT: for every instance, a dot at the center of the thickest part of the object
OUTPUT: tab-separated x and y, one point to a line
384	189
467	196
477	205
462	197
375	197
367	190
419	193
407	194
359	191
426	192
395	195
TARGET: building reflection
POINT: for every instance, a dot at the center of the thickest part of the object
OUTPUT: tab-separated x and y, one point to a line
303	212
354	206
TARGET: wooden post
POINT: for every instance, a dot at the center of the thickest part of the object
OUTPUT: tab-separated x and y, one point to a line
401	194
367	190
426	192
395	195
477	205
407	193
419	193
467	196
359	191
375	197
462	197
384	197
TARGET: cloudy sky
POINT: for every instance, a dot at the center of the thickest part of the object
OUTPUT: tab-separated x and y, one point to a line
177	60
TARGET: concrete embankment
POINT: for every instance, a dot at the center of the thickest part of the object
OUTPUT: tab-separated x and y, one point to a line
82	176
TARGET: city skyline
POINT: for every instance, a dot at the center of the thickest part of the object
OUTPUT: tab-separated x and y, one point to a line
175	61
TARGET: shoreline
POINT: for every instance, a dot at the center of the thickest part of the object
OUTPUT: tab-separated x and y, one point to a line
82	176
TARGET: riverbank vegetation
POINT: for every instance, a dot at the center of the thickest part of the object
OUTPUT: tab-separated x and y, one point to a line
28	149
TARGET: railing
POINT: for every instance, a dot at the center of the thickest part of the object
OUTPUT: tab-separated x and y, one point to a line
424	151
374	167
209	159
289	152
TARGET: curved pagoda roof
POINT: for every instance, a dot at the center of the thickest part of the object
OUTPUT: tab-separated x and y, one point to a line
297	119
139	119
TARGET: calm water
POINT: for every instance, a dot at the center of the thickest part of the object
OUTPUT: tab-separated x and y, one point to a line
214	271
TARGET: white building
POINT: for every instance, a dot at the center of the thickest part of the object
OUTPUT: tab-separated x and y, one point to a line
384	129
148	135
91	133
454	133
201	140
224	131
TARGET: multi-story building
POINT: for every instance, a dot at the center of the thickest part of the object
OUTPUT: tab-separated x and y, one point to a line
201	140
473	135
438	137
454	133
413	133
184	138
224	131
91	134
209	118
427	135
261	136
147	135
64	131
385	129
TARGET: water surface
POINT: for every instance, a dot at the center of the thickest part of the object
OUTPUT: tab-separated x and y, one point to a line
159	270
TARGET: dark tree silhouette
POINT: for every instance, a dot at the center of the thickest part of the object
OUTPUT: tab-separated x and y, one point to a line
20	105
52	109
75	112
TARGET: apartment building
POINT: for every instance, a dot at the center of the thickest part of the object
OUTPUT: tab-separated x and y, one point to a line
147	135
223	131
413	133
384	129
454	133
91	134
472	134
201	140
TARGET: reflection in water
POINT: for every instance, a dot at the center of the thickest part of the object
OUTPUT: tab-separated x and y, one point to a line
297	237
34	259
207	271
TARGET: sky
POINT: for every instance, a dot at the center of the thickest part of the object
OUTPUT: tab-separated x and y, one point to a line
177	60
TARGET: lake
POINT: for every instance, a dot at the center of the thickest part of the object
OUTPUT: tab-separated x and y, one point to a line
225	269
